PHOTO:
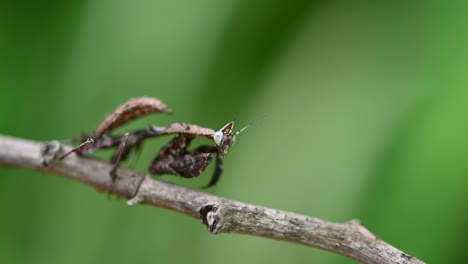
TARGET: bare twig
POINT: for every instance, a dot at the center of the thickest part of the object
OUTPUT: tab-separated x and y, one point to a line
220	215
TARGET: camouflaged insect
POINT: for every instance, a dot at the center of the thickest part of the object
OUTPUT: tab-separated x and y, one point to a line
174	158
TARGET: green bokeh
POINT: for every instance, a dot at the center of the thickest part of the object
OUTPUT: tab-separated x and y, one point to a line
360	111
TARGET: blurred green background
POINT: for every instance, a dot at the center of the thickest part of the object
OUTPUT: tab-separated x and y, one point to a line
361	111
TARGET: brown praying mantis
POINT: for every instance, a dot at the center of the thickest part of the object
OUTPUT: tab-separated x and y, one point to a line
174	158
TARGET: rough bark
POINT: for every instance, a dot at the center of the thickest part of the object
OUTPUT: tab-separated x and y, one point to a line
220	215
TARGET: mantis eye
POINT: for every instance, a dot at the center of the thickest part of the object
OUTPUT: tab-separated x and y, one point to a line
218	137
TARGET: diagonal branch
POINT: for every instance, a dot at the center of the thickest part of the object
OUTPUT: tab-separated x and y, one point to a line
220	215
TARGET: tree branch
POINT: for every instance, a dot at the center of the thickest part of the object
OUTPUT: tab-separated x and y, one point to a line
220	215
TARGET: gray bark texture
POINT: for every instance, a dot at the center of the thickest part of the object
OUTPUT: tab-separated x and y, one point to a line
220	215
